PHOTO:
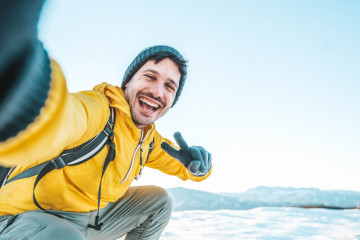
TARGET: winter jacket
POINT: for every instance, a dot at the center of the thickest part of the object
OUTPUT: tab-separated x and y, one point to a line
67	120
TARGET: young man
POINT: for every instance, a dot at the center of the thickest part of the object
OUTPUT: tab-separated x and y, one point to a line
40	119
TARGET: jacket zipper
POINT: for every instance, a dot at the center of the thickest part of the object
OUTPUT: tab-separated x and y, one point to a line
134	155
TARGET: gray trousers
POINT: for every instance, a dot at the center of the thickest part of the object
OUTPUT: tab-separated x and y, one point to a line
142	213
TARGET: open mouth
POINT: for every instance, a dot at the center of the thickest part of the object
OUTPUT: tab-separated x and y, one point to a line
147	105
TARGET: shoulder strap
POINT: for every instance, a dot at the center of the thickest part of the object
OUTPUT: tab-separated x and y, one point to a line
4	174
76	156
72	156
88	149
151	147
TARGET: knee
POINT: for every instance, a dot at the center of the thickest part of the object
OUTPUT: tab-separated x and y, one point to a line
163	196
39	225
164	199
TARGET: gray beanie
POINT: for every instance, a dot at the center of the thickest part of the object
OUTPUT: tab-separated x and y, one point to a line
157	53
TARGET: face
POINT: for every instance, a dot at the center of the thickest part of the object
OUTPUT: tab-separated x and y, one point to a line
152	90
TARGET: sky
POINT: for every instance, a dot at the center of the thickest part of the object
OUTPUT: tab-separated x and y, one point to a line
272	88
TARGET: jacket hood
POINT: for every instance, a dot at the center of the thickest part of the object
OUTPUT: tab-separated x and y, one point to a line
115	96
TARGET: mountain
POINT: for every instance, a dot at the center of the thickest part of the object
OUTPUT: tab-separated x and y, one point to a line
188	199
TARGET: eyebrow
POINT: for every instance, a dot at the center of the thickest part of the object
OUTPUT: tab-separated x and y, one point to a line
157	73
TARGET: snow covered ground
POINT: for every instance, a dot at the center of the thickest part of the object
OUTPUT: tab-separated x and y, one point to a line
268	223
188	199
267	213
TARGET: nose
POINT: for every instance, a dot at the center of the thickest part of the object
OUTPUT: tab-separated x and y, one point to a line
157	90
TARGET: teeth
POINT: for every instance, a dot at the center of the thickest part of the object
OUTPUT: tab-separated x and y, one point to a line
149	103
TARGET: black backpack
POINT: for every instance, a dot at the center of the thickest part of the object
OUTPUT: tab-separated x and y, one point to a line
70	157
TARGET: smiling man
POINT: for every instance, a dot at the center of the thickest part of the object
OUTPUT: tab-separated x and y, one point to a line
153	89
68	159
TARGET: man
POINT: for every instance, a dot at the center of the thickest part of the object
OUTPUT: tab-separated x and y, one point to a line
40	119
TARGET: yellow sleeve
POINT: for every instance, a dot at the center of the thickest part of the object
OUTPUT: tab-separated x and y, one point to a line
65	121
162	161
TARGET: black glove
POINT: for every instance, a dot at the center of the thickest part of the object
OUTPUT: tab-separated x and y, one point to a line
196	159
24	67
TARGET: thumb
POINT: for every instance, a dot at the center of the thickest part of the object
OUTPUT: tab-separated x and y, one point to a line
194	166
170	150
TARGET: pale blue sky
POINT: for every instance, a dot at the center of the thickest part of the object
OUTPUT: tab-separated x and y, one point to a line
272	90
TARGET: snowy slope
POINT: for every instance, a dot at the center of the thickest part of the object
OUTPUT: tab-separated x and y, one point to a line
263	213
265	223
187	199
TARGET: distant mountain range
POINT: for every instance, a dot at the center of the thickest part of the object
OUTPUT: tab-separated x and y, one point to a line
188	199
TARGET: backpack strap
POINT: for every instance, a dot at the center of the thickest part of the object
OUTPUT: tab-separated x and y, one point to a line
110	157
71	157
74	156
4	174
81	154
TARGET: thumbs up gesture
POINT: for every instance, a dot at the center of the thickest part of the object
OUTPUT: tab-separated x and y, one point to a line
196	159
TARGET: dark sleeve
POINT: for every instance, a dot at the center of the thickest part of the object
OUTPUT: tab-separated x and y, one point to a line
24	66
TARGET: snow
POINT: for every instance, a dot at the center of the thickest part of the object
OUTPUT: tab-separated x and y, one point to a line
187	199
267	213
264	223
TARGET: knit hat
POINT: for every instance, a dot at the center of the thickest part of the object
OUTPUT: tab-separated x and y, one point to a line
151	53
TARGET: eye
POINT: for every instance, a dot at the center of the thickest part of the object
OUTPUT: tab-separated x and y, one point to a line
149	76
170	86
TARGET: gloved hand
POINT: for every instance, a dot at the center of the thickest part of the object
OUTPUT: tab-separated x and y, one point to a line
25	72
196	159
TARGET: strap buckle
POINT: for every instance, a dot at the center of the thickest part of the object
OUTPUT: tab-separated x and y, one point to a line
108	131
58	162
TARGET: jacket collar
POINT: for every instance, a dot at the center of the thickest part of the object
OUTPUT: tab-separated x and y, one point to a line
116	98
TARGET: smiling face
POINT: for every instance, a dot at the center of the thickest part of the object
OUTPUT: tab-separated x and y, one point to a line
152	90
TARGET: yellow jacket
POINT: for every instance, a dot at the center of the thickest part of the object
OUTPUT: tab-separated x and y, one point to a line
66	121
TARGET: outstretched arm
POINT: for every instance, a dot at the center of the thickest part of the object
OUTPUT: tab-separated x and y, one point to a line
39	118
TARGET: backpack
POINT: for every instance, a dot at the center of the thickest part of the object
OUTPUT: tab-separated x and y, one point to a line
72	157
